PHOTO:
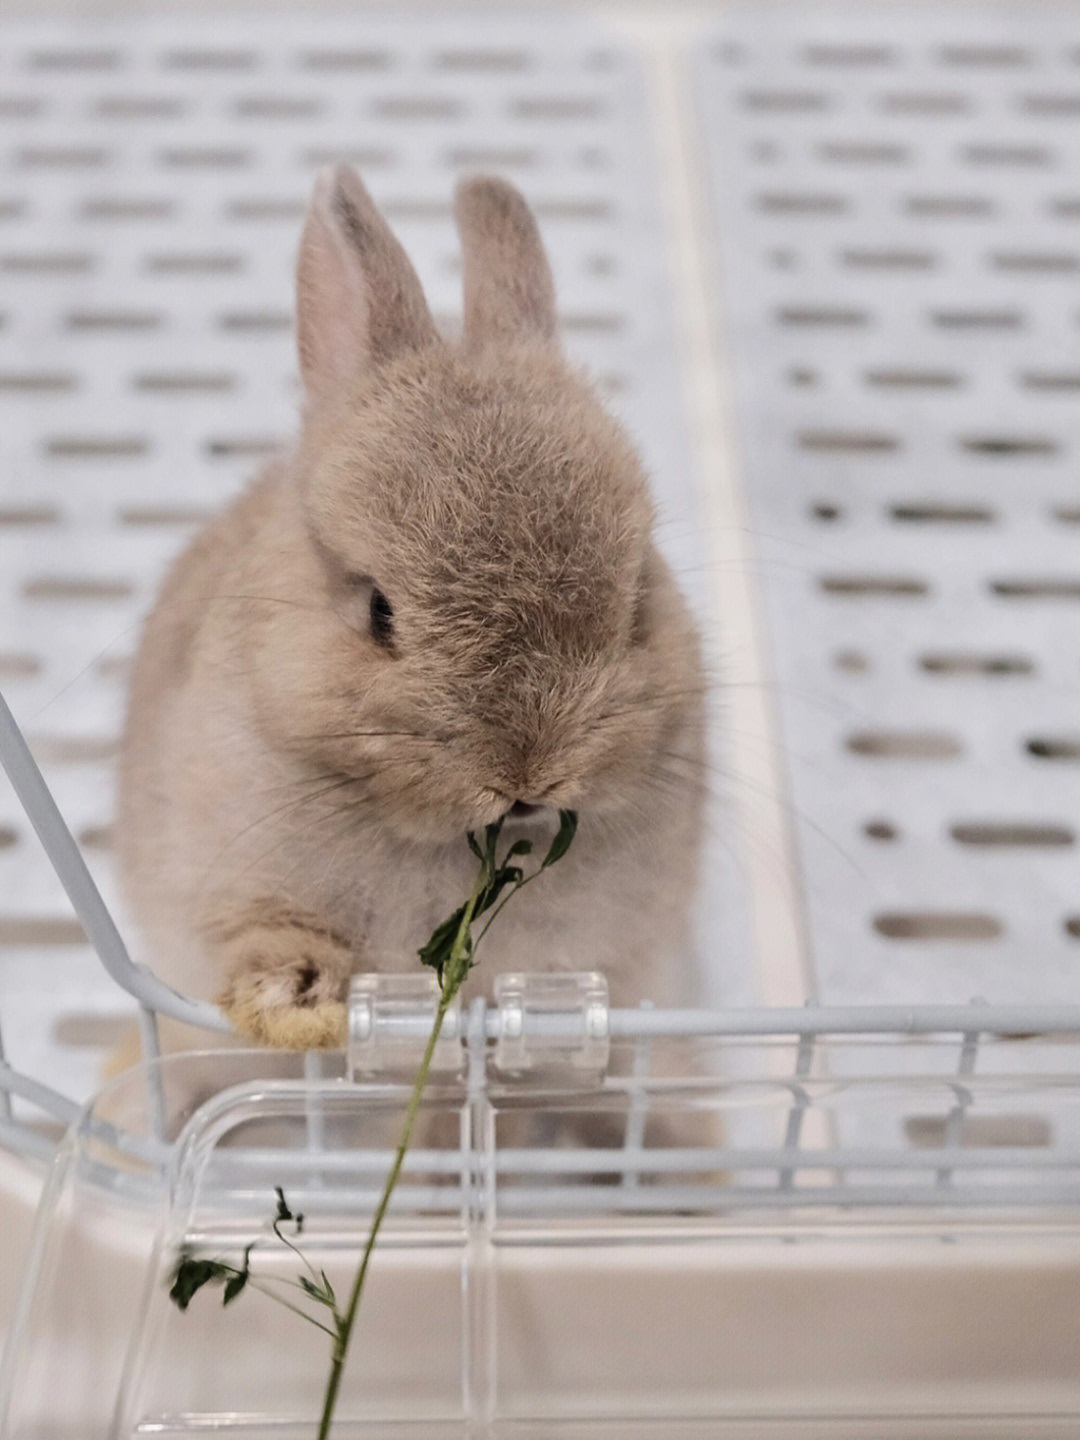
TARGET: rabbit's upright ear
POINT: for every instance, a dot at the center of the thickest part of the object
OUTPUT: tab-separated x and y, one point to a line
509	293
358	299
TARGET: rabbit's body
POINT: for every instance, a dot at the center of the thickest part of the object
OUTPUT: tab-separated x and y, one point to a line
444	608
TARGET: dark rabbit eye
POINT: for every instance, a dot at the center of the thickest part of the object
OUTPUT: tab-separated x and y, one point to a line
365	607
382	617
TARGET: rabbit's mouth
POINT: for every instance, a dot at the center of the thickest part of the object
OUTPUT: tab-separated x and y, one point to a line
530	814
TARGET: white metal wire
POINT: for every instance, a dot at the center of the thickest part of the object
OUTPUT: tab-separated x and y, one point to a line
1031	1178
958	1168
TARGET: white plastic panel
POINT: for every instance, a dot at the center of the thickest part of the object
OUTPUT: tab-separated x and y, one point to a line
153	179
897	230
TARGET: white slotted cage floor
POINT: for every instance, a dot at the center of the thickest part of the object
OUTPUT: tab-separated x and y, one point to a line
154	178
896	207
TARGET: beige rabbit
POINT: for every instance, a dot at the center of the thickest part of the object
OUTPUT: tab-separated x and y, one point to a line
443	607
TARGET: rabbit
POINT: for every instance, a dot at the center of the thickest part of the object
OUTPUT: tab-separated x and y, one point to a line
443	608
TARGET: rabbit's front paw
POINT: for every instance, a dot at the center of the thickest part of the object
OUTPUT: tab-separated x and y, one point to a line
287	982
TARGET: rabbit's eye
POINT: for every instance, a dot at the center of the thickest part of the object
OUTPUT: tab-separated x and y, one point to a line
364	606
382	617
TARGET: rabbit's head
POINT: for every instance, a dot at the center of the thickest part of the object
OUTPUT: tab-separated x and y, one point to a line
481	622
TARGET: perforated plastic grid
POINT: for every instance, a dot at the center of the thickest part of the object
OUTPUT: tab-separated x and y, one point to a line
897	201
153	180
896	222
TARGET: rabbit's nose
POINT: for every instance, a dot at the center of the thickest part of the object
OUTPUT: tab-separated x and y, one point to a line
520	808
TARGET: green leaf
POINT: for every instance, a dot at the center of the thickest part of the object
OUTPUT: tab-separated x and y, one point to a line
563	838
234	1285
508	875
519	847
324	1297
444	934
191	1275
331	1297
474	846
437	951
284	1214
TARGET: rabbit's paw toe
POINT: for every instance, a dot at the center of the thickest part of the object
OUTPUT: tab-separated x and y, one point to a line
287	990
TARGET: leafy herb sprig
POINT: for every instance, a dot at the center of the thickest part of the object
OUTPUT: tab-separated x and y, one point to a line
192	1272
451	953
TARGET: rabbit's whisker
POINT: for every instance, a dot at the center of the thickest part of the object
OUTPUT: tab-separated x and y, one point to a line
342	815
281	810
656	700
292	604
379	735
740	779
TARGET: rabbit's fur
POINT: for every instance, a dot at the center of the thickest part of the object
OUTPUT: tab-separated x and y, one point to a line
300	767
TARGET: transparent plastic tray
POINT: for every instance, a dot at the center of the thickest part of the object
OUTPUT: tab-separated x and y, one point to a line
647	1250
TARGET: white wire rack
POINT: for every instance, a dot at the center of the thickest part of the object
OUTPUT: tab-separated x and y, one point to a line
1002	1160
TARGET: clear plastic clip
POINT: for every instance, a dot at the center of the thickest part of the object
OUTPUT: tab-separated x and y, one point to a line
551	1022
390	1022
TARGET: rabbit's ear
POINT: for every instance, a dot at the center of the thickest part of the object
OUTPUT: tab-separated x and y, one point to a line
509	293
358	299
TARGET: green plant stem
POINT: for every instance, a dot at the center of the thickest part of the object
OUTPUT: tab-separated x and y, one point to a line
263	1288
192	1273
456	970
296	1310
527	880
